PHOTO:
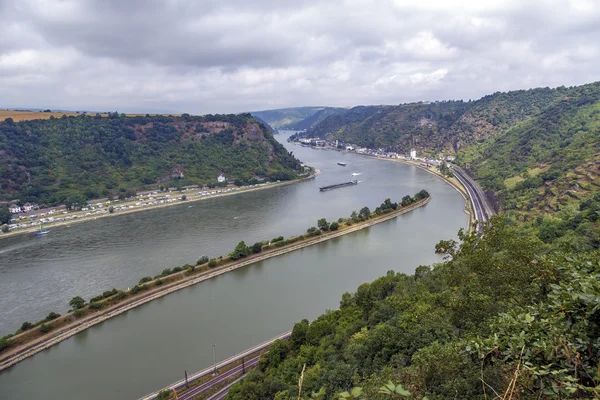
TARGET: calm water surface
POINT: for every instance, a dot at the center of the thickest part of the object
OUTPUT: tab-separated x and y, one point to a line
149	347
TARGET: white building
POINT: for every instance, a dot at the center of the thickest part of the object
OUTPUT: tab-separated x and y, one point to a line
14	209
29	206
413	154
221	178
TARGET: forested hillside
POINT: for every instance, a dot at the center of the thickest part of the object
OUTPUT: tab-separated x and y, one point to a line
546	171
447	125
52	161
513	313
506	315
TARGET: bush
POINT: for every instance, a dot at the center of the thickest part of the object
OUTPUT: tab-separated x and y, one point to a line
184	197
145	279
97	298
135	290
78	313
26	326
334	226
45	328
212	263
52	316
176	269
202	260
5	228
158	282
121	295
257	247
191	268
277	239
107	293
166	272
96	306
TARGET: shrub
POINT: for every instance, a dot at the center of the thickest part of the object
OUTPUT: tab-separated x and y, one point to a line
277	239
4	343
97	298
135	290
212	263
26	326
202	260
158	282
176	269
107	293
121	295
191	269
257	247
5	228
166	271
78	313
145	279
334	226
45	328
96	306
52	316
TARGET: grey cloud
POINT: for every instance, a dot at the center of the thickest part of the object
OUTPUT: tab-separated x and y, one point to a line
235	55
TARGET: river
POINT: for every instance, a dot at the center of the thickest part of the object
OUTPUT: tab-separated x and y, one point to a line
149	347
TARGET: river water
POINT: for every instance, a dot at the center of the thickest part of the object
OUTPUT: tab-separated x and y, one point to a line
149	347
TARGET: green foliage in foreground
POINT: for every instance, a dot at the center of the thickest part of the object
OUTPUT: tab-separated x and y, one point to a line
68	160
504	314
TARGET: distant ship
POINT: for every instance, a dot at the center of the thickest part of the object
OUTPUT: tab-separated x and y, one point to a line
43	231
343	164
338	185
356	173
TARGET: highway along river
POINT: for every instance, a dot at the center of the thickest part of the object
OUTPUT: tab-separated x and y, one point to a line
147	348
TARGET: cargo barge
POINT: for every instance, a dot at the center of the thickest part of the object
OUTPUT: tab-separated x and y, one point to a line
339	185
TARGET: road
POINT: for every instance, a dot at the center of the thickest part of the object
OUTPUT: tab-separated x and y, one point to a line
481	206
250	356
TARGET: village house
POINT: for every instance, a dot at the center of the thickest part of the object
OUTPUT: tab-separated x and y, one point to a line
221	178
29	207
14	208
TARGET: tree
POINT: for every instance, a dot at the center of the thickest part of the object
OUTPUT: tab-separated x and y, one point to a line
354	216
184	197
212	263
26	325
241	250
257	247
202	260
111	209
364	213
5	215
334	226
5	228
406	201
323	224
77	302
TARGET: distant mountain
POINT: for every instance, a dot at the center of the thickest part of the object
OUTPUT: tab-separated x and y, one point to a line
84	157
435	126
296	118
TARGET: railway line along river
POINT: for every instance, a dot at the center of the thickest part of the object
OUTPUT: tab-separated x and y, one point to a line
151	346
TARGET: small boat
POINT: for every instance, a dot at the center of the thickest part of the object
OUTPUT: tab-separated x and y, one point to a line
43	231
343	164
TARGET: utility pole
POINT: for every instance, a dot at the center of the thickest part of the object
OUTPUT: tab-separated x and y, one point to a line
214	345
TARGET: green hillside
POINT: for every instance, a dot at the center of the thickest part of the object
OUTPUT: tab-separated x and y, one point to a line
545	170
437	126
51	161
513	313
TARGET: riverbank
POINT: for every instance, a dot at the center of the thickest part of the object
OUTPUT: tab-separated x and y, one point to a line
191	198
452	181
21	349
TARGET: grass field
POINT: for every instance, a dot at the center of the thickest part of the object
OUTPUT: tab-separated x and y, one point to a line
29	115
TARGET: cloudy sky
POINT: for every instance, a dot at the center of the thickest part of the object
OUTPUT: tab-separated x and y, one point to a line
208	56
